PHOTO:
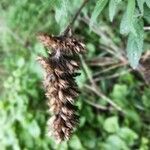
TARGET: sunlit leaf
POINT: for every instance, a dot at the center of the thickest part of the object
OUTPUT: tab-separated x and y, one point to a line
112	8
34	129
111	124
140	5
75	143
148	3
135	45
100	4
61	13
124	28
128	135
116	143
147	14
128	18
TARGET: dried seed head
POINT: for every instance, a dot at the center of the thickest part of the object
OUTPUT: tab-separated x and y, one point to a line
61	88
47	40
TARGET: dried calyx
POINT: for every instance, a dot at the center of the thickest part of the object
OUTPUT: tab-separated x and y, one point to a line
61	68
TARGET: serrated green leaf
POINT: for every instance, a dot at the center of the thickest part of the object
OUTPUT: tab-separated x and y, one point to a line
135	44
112	8
148	3
140	5
97	10
128	18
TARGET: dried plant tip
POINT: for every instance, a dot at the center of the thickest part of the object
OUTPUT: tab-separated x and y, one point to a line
59	82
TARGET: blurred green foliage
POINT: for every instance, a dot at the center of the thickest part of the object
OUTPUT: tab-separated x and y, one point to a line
23	106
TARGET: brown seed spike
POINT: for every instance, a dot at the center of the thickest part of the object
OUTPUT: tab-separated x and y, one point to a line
47	40
61	88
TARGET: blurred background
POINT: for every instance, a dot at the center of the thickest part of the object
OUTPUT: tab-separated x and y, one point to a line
114	113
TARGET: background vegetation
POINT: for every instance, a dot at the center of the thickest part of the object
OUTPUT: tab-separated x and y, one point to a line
114	104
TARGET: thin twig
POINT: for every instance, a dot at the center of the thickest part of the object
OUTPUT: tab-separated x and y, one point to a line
104	97
85	69
117	51
102	61
109	68
75	17
113	76
98	106
95	89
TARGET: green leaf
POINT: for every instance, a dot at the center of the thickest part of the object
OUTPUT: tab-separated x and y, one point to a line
135	45
34	129
128	18
130	14
114	142
134	117
88	113
119	94
124	28
128	135
20	62
147	14
91	49
75	143
144	144
97	10
140	5
63	146
112	8
88	138
81	79
61	13
145	98
82	121
148	3
111	124
60	10
119	91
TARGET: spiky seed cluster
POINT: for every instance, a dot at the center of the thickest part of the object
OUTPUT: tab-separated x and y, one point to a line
59	82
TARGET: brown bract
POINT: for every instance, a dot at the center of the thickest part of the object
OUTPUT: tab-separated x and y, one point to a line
61	68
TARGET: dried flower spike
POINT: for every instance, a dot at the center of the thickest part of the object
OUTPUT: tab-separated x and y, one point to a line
61	68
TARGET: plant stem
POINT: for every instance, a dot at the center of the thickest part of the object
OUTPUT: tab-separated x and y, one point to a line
75	17
95	89
98	106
